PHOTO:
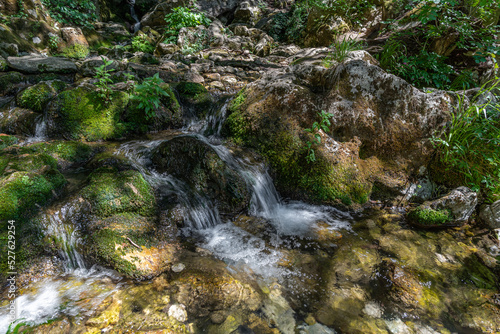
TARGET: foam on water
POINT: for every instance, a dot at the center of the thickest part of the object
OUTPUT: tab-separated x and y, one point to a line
76	294
243	250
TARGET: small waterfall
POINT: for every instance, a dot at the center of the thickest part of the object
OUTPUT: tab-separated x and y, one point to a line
137	25
201	212
40	131
215	121
60	225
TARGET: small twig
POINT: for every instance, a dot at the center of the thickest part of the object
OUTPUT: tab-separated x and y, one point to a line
133	243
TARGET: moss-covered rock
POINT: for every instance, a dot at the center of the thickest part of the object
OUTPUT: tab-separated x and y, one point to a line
199	165
10	81
430	217
167	115
280	137
195	96
6	141
36	97
81	113
66	153
131	244
111	192
27	181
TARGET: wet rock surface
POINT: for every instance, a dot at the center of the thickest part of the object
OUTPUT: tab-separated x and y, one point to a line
170	223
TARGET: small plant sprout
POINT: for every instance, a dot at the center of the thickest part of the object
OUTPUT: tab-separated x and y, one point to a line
103	77
314	130
149	94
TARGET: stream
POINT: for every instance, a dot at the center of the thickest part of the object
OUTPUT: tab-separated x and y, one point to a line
290	249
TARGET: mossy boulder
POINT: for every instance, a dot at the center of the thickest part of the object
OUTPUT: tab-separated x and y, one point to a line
122	231
198	164
10	82
195	96
27	181
111	192
278	134
80	113
167	115
36	97
66	153
131	244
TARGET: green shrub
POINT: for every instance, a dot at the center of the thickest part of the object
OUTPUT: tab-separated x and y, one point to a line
469	148
103	77
72	12
314	130
411	53
149	94
183	17
142	44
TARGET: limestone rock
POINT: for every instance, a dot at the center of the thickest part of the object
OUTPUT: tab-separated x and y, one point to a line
38	64
73	36
490	214
246	13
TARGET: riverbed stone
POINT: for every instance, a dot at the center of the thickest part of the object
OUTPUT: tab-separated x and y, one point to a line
199	165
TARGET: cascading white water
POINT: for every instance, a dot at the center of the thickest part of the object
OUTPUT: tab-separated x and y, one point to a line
50	294
40	131
201	212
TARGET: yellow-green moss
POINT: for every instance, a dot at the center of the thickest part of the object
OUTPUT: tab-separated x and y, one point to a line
36	97
25	188
77	51
111	192
428	216
72	151
84	115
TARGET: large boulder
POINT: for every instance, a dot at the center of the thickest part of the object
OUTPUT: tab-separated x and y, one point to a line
375	118
197	163
122	230
80	113
38	64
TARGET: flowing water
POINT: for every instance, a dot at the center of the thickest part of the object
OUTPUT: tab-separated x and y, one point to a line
260	245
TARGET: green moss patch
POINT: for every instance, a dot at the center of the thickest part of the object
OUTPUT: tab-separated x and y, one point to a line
111	192
36	97
27	181
84	115
63	151
6	141
429	217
